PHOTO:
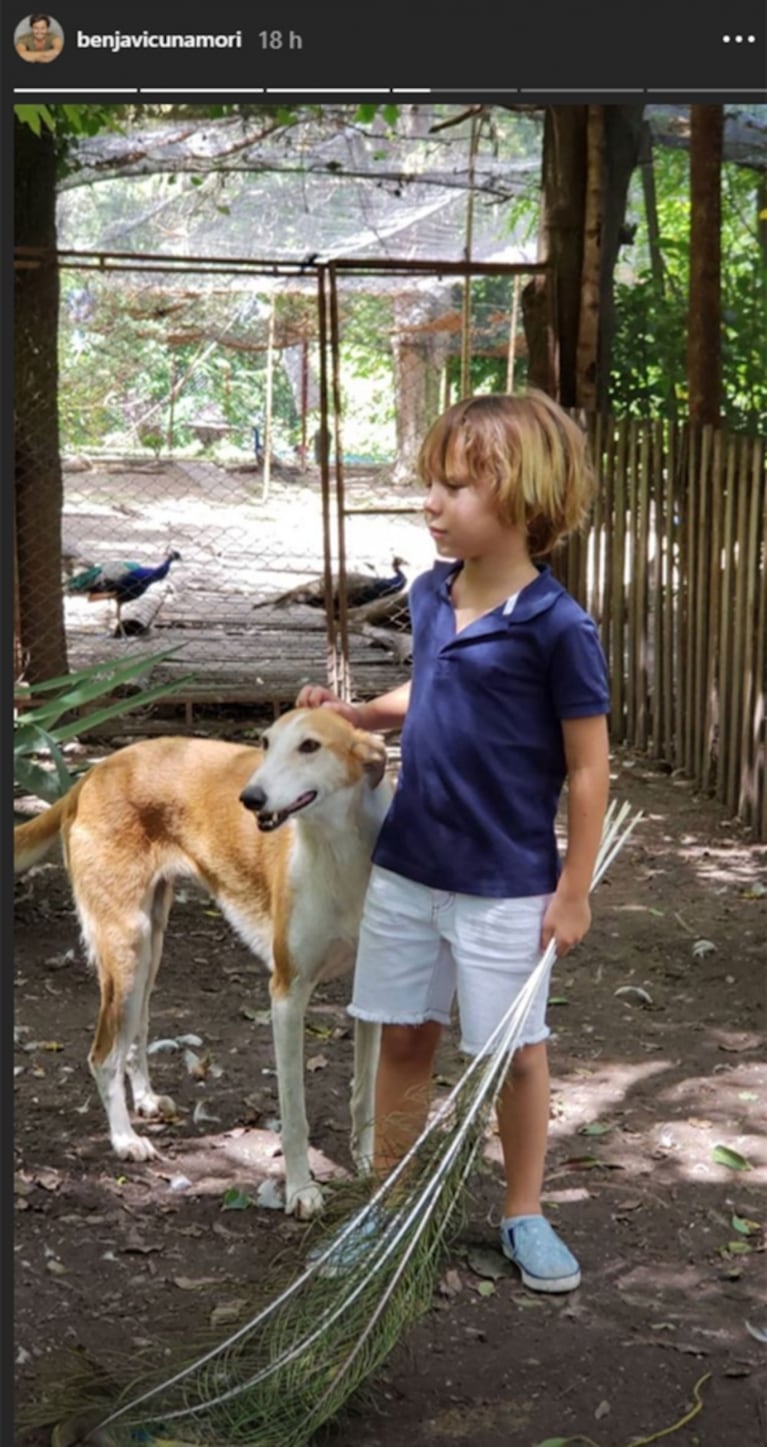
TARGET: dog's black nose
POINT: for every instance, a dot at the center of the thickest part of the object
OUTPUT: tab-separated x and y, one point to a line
253	797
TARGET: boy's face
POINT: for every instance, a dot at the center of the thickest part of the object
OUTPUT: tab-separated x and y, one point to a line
463	520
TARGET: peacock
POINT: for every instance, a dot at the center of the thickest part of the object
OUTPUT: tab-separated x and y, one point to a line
361	588
122	581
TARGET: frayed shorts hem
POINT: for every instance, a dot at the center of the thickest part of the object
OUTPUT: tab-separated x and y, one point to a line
537	1039
438	1017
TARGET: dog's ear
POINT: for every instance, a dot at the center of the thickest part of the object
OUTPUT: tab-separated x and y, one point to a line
372	752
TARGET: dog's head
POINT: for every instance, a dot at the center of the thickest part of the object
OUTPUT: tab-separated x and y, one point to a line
310	754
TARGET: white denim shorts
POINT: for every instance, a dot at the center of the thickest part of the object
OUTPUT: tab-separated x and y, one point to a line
420	947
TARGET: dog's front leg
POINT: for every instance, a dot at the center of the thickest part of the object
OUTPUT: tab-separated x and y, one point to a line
303	1197
367	1042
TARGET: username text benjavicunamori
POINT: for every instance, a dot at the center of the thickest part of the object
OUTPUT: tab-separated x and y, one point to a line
148	40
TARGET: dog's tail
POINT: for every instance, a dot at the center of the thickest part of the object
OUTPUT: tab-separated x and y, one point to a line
37	839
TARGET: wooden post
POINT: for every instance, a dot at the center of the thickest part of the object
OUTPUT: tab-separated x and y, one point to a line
466	313
344	671
323	458
704	350
587	359
513	333
268	403
304	396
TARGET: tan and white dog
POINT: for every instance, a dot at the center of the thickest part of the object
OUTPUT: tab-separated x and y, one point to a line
172	808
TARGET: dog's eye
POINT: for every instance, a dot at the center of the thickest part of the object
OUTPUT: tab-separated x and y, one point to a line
309	746
264	742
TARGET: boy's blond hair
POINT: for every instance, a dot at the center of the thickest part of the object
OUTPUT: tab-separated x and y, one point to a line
532	453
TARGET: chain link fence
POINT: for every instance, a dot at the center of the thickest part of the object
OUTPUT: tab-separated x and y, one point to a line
237	446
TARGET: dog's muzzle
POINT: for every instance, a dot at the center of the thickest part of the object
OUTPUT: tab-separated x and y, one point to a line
254	798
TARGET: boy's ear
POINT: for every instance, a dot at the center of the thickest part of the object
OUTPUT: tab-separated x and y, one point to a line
372	752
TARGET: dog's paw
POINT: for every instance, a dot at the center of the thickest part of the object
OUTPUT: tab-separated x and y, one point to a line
305	1202
362	1152
156	1105
133	1148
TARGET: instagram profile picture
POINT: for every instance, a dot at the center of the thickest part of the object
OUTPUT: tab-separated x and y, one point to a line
38	37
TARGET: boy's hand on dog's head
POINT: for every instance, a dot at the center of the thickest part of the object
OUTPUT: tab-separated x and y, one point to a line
313	695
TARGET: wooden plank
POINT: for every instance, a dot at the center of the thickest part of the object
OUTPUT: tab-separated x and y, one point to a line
630	583
759	738
691	529
735	696
608	535
699	608
595	586
725	620
677	449
617	591
752	662
641	596
670	602
712	700
655	686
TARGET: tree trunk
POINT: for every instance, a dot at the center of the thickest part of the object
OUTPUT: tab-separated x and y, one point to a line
564	184
37	469
623	131
551	303
704	350
540	334
587	357
657	267
761	219
411	381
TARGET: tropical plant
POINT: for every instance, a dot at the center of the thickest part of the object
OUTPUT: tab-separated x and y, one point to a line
51	713
648	369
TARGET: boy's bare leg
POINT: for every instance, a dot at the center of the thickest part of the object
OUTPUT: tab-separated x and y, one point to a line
523	1125
403	1089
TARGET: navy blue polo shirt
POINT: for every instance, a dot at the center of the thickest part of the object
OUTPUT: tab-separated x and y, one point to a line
483	759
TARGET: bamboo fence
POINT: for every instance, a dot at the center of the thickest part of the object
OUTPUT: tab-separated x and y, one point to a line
673	568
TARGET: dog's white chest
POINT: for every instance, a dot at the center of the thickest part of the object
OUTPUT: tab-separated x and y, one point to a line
328	893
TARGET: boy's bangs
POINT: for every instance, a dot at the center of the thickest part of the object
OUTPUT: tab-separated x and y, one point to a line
453	451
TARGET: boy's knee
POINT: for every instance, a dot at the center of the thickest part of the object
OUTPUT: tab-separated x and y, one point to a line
409	1044
528	1060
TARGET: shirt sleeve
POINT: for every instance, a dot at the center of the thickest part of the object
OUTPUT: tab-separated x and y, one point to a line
578	672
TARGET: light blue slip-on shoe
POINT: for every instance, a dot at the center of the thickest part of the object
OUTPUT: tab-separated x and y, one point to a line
345	1256
543	1261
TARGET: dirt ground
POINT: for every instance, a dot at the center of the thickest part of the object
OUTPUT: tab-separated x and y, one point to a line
657	1058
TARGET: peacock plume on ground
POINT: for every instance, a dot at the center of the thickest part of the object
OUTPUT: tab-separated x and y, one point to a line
296	1362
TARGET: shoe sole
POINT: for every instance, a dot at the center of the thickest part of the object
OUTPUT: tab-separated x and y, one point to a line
543	1283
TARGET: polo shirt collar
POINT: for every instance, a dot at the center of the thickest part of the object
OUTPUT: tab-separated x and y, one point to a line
534	598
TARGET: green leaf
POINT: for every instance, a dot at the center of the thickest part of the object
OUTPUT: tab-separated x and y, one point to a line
596	1128
92	683
554	1442
32	779
119	707
30	116
558	1000
37	729
745	1226
236	1200
734	1161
